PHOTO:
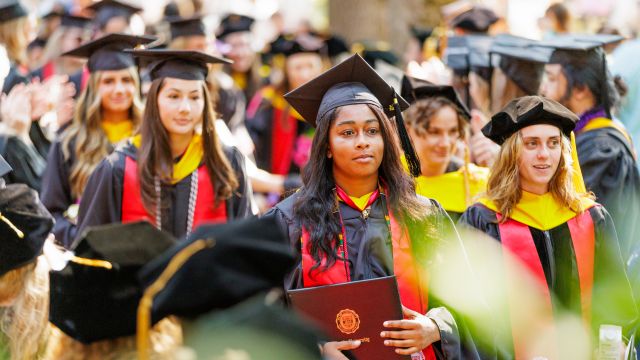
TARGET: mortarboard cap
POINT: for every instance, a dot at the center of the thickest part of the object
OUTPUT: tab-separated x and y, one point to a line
353	81
521	60
11	10
192	26
75	21
5	168
469	53
234	23
276	332
24	226
525	111
420	33
108	9
95	296
106	53
336	45
372	51
179	64
415	89
288	45
478	19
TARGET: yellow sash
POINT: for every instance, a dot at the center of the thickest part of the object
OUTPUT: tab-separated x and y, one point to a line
189	161
539	211
448	188
599	123
278	101
241	80
117	131
362	201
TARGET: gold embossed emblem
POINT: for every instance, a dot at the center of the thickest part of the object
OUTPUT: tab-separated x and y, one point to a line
347	321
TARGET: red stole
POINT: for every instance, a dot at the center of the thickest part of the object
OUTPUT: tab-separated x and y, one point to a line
48	70
412	287
517	241
205	210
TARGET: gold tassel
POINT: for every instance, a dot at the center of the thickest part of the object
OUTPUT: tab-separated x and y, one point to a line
92	262
144	308
13	227
578	180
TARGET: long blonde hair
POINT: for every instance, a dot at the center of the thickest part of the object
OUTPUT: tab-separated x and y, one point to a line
166	338
503	187
25	322
91	143
53	49
14	39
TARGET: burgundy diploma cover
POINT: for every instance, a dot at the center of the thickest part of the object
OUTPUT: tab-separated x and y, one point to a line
354	311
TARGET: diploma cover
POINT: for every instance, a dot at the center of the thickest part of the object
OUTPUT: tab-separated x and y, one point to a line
354	311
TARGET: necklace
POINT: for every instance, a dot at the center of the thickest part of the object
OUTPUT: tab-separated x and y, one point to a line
193	194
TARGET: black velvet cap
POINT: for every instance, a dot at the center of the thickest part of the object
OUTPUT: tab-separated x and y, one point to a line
231	263
11	10
234	23
521	60
108	9
95	296
353	81
276	332
107	52
415	89
525	111
478	19
24	226
192	26
80	22
179	64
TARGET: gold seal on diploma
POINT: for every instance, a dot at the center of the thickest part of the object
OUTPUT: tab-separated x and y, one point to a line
347	321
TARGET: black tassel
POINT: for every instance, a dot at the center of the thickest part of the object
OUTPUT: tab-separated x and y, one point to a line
405	141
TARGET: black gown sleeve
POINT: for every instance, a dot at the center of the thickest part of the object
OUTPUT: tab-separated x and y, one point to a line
56	193
613	301
259	127
240	203
101	201
26	162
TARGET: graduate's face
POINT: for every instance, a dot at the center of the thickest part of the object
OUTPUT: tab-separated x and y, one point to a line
437	143
240	51
196	42
554	83
181	105
539	157
355	143
116	89
302	68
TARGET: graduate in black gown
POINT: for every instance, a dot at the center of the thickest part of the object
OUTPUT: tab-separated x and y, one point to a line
576	75
14	24
347	221
538	210
108	111
174	173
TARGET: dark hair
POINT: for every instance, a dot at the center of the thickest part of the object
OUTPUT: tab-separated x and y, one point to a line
561	13
588	70
419	114
155	159
315	206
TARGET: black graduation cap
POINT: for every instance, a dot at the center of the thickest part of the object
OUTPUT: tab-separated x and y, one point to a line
289	44
12	10
191	26
180	64
469	53
5	168
478	19
108	9
95	296
353	81
75	21
276	332
583	50
421	33
526	111
24	225
234	23
414	89
52	14
335	45
106	53
372	51
221	265
521	60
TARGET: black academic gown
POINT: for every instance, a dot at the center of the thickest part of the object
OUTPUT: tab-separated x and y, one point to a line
370	256
27	162
558	258
231	103
102	200
611	173
14	77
